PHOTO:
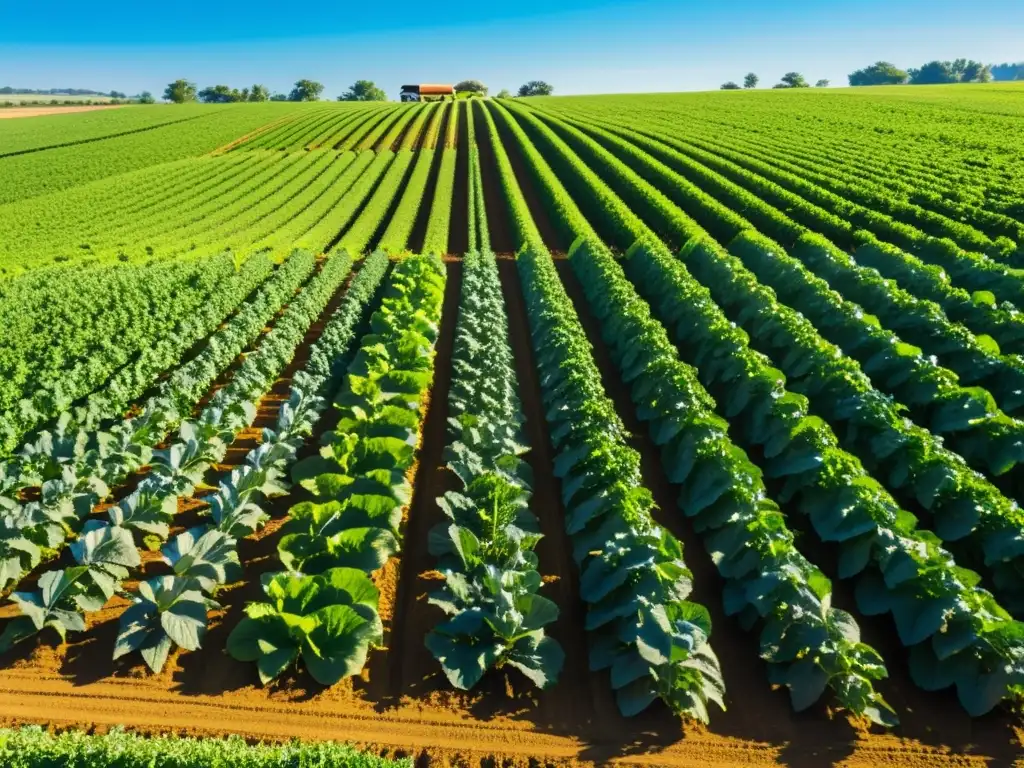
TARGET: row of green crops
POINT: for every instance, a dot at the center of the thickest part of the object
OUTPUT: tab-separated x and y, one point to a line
633	580
323	608
485	549
35	748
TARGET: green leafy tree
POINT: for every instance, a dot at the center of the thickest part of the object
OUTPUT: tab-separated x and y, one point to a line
934	73
504	93
750	81
279	97
536	88
958	67
793	80
146	98
821	84
879	73
180	91
471	86
306	90
976	72
259	93
218	94
1007	71
729	86
364	90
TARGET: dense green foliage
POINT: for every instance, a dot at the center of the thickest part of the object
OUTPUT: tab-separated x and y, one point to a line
34	748
62	167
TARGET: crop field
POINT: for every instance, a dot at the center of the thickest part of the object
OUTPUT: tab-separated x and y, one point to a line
675	429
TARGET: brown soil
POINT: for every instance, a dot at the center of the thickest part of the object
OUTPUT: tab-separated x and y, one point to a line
498	224
410	669
402	706
9	112
458	230
538	211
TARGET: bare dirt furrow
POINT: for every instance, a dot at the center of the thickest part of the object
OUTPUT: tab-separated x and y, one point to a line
458	231
411	670
498	224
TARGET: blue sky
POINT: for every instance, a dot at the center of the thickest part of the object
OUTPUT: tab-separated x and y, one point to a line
580	46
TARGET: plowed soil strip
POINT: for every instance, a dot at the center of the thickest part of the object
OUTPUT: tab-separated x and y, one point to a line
412	670
534	201
498	224
458	231
15	112
580	695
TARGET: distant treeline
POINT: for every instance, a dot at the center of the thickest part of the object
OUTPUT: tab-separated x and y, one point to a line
1003	72
936	73
8	90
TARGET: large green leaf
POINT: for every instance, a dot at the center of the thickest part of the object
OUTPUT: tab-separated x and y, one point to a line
465	648
338	644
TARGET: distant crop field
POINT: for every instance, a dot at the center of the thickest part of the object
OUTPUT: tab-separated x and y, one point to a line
29	111
34	98
675	429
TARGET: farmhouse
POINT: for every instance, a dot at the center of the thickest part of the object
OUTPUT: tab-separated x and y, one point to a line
425	92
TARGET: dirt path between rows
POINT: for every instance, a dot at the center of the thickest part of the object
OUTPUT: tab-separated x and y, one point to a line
11	112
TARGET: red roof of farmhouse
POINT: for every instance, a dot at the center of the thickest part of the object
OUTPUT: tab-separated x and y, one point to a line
435	90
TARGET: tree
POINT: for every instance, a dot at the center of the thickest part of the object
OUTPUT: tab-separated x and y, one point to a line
729	86
279	97
471	86
879	73
218	94
146	98
536	88
750	81
934	73
1004	72
976	72
306	90
793	80
821	84
364	90
118	95
259	93
504	94
180	91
